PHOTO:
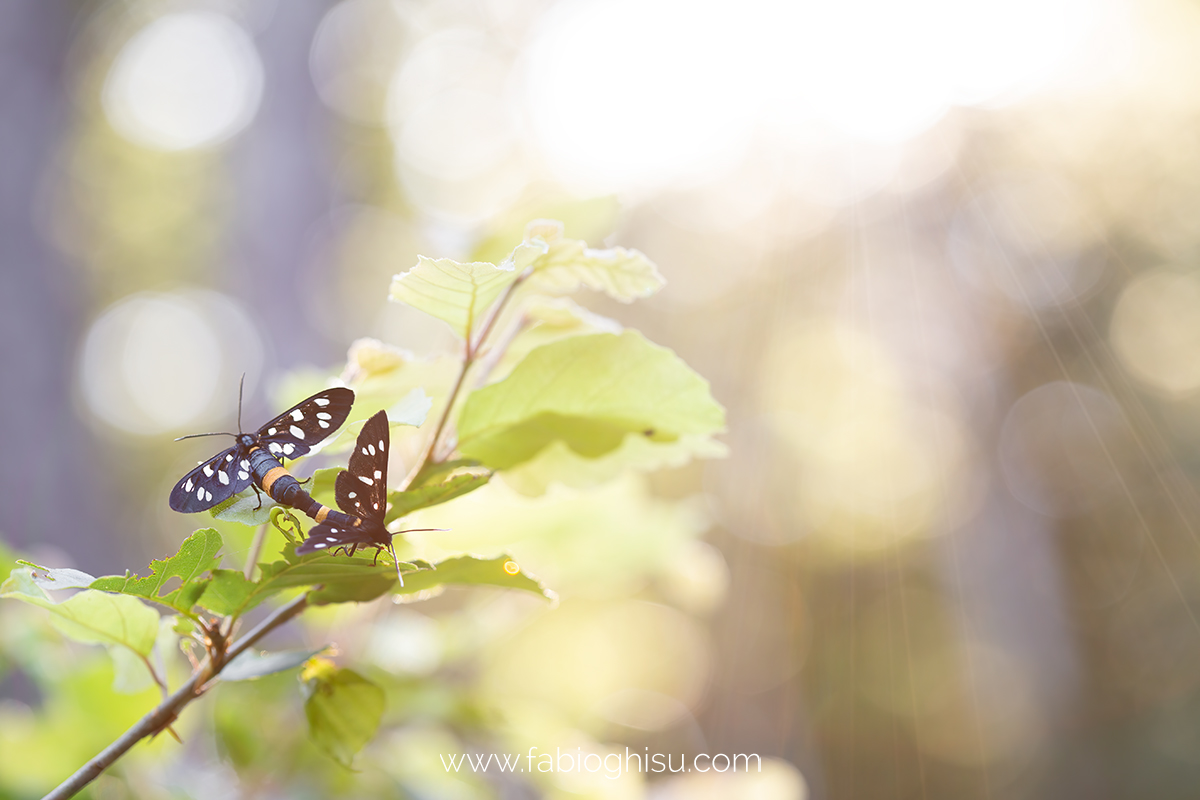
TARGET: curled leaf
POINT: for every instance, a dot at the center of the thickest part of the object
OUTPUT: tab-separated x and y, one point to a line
343	708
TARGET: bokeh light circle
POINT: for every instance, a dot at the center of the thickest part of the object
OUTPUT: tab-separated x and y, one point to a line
186	80
162	362
1156	331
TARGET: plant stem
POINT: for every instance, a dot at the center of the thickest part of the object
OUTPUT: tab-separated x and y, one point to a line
256	546
168	710
471	350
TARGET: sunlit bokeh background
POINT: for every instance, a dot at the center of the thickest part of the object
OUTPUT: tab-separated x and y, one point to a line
938	259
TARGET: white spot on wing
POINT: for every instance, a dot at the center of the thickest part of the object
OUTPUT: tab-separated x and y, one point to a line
371	447
245	464
322	401
297	415
187	487
324	415
276	447
289	448
208	470
243	475
352	495
319	545
365	479
299	434
272	432
381	447
323	423
365	452
229	458
223	478
378	474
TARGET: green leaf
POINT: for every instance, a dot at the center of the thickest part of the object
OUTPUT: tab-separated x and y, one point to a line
229	592
322	487
432	471
589	392
250	665
353	580
501	571
344	580
343	708
559	464
55	579
130	672
460	294
411	410
284	520
569	265
197	555
90	616
404	503
8	559
356	589
247	507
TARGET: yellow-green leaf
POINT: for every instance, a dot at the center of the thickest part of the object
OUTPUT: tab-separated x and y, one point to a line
559	464
404	503
569	265
457	293
197	555
501	571
91	617
343	710
589	392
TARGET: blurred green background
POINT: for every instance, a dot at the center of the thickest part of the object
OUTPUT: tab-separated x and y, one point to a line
938	260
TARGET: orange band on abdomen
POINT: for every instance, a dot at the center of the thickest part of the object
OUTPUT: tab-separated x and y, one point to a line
273	474
322	514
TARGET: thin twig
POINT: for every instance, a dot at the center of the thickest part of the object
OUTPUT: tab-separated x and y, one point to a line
166	692
256	546
471	349
492	357
168	710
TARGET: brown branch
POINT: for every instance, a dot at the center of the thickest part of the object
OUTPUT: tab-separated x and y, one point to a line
169	709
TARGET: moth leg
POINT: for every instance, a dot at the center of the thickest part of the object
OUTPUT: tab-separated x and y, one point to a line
378	550
258	494
353	549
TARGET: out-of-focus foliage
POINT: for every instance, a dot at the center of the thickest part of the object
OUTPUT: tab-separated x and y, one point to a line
938	262
91	617
631	388
343	709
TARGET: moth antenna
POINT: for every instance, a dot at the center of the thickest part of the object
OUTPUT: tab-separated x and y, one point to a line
198	435
416	530
396	561
241	385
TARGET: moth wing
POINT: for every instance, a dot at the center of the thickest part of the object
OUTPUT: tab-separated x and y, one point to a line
361	489
325	537
213	482
293	433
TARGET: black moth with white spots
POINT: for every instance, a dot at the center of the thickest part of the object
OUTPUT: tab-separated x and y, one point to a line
361	492
290	435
